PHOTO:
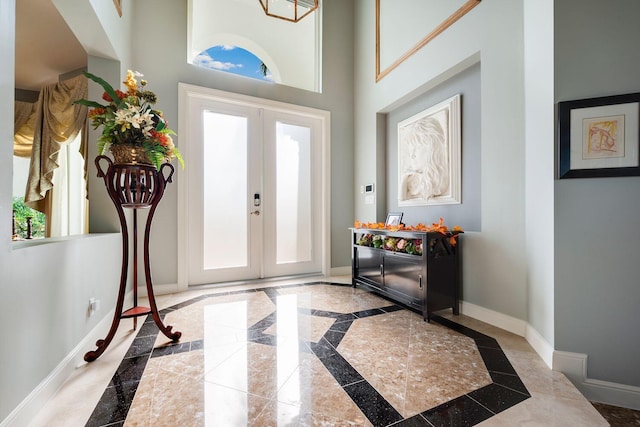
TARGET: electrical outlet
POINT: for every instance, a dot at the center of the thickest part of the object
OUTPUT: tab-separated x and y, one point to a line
94	305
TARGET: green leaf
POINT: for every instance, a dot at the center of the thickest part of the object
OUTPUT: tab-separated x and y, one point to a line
107	87
92	104
161	125
178	156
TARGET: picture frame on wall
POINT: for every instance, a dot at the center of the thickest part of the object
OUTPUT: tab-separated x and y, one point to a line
599	137
429	156
394	218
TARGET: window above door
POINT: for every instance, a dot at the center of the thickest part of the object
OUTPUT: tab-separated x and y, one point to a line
290	51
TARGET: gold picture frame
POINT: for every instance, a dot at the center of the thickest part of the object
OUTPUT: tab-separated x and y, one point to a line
118	4
463	10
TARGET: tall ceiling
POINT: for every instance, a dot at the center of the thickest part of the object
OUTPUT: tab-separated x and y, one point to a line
45	46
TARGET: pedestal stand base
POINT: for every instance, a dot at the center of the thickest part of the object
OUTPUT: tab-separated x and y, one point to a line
138	187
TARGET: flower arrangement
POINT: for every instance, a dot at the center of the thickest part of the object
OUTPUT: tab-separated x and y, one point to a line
410	246
129	119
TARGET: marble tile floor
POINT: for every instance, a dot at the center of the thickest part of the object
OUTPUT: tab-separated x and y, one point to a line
313	353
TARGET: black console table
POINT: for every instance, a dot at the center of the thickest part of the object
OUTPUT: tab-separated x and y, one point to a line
416	268
133	186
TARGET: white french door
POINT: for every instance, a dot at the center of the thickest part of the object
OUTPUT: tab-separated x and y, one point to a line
255	191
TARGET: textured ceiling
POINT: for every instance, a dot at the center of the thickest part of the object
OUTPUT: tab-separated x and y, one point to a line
45	46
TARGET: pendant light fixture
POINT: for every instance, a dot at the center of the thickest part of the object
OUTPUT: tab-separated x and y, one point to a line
289	10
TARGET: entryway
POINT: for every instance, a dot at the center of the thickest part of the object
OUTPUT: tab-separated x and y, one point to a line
256	196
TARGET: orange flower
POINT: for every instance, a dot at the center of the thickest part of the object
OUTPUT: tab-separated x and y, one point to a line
131	82
121	95
96	111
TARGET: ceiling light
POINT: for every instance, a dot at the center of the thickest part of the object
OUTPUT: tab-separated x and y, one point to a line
289	10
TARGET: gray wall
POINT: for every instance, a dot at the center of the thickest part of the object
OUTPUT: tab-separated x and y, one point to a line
467	214
165	67
494	261
597	290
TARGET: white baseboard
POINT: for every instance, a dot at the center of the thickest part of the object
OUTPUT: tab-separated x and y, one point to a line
513	325
494	318
37	399
574	366
540	345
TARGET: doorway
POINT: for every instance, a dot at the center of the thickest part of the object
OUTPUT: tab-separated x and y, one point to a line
256	188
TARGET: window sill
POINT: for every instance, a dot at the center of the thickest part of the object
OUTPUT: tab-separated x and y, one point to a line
21	244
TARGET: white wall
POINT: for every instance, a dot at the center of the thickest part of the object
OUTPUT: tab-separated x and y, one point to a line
494	272
597	226
539	169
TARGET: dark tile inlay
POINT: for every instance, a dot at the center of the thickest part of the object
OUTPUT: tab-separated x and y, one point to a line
415	421
114	405
372	404
141	345
181	347
341	326
130	370
322	348
506	391
368	313
497	398
496	360
341	370
460	412
148	329
334	337
510	381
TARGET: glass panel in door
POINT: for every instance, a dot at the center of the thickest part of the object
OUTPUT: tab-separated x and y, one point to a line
225	210
292	235
225	227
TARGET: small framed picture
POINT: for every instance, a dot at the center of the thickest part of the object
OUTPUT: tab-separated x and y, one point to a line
598	137
394	218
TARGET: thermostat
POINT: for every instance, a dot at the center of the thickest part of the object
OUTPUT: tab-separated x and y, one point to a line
368	188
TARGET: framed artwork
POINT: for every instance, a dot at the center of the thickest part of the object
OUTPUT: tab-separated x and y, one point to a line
392	15
394	218
598	137
429	170
118	4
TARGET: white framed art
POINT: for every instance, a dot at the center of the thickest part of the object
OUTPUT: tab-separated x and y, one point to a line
429	159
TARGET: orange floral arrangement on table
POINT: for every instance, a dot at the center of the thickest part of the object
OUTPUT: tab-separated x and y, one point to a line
435	227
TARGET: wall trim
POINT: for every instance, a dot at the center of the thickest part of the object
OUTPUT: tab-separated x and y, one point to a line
513	325
494	318
540	345
574	366
24	413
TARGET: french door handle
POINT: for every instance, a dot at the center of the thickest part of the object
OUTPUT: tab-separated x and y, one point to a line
256	213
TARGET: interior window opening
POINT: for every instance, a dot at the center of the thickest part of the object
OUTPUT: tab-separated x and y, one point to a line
68	213
234	60
290	51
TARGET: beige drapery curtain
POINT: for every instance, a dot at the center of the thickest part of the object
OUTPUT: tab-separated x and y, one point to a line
24	119
57	120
